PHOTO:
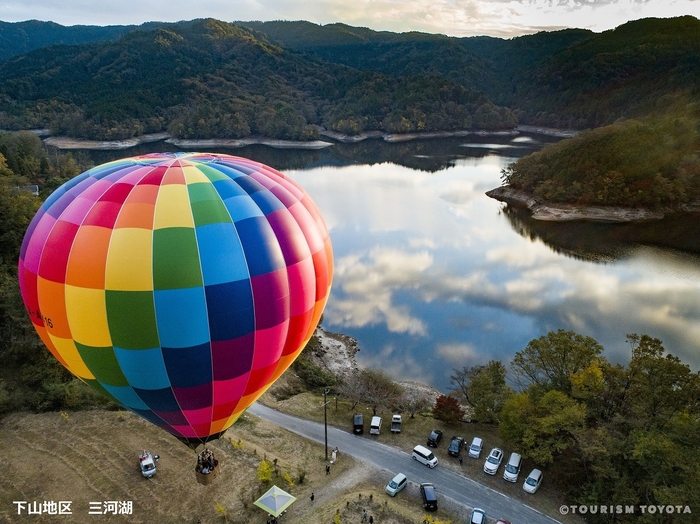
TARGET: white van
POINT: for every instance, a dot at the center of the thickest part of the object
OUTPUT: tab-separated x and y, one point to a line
424	456
376	426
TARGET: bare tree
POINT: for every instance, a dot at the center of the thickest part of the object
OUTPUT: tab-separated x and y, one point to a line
414	400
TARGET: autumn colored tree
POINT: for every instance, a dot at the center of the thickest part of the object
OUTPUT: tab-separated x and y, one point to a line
447	409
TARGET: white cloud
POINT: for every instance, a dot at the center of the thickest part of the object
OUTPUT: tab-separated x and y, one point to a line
397	364
459	354
367	283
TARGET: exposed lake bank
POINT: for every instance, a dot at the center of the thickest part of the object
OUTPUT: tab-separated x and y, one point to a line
553	212
67	143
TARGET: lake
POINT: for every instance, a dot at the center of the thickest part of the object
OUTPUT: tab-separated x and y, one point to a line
432	275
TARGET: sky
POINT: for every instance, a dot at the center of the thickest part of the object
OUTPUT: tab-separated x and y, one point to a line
500	18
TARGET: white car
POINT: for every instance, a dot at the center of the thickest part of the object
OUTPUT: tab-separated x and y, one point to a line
478	516
533	481
475	447
148	463
493	461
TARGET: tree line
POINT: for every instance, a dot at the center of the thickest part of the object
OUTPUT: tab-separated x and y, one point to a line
613	434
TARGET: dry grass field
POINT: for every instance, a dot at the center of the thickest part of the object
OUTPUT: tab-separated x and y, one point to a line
92	457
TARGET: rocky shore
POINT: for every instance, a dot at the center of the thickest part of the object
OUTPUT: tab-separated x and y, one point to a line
566	212
405	137
62	142
336	353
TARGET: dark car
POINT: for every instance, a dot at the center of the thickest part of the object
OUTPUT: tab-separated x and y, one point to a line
434	438
358	425
456	445
429	495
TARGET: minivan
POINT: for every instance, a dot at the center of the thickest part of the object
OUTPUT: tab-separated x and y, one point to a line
424	456
375	426
513	467
429	495
396	484
358	424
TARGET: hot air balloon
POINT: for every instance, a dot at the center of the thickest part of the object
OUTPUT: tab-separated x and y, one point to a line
180	285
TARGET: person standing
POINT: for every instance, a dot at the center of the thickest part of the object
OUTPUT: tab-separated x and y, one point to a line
312	496
328	469
371	519
364	515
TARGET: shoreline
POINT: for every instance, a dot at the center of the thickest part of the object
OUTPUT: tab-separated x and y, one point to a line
336	355
551	212
68	143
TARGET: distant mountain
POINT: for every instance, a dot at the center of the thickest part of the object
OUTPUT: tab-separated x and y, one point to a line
206	78
571	78
490	65
18	38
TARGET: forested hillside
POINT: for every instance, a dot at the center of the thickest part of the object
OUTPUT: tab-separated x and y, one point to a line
650	163
21	37
30	378
572	78
207	79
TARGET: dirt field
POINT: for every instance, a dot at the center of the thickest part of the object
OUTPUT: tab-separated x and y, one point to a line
92	457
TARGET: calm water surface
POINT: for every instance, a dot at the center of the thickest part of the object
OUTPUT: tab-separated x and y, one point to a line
431	274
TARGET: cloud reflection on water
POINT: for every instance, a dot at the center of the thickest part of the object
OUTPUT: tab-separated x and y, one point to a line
431	275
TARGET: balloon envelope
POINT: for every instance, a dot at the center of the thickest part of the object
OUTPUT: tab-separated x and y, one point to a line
180	285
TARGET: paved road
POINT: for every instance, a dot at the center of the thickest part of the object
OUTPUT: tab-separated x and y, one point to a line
449	483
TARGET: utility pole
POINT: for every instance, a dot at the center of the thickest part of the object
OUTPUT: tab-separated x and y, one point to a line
325	419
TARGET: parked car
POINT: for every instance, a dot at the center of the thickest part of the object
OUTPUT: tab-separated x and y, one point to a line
396	424
456	445
475	447
493	461
424	456
478	516
358	424
502	521
434	438
147	461
375	427
396	484
533	481
513	467
429	495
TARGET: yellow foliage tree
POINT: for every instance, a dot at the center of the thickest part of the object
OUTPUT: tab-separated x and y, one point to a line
264	472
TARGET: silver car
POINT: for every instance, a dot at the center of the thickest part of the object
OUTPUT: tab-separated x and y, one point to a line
512	469
475	447
533	481
493	461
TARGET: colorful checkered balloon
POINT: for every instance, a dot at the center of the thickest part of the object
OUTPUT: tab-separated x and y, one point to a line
181	285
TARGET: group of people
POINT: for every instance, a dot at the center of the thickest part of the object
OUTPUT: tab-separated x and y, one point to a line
206	461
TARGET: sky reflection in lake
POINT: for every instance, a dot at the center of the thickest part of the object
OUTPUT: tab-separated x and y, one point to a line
431	274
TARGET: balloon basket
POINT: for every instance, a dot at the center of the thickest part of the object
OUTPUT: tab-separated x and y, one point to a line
208	478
